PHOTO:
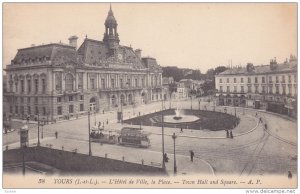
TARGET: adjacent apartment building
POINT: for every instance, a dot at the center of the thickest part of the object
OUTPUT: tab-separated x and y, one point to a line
60	81
271	87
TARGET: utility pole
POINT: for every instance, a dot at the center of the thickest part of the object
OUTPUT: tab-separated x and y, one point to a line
175	167
162	134
90	150
140	120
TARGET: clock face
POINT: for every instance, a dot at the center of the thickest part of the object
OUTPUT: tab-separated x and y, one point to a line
120	56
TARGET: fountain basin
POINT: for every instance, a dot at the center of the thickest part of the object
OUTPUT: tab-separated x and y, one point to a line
183	119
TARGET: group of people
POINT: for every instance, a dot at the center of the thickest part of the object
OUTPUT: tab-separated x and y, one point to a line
229	134
166	158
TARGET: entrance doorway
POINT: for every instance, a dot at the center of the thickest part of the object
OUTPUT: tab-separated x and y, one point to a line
93	104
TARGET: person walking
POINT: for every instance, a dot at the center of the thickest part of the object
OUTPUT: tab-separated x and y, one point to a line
227	134
231	135
192	156
166	158
181	130
56	134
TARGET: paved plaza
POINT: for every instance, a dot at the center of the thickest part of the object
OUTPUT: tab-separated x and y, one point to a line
253	150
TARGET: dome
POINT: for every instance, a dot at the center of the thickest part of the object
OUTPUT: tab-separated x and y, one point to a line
111	20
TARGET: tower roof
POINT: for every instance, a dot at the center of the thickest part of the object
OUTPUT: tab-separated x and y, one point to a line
110	19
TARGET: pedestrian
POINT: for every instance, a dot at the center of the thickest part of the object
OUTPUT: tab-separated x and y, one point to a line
192	156
227	134
56	134
181	130
290	175
260	120
166	158
106	121
256	114
99	124
103	111
231	136
266	126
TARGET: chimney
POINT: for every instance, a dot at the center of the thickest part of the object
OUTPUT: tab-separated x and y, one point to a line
73	41
138	53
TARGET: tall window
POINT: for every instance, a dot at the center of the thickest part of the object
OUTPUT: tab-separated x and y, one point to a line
256	89
58	81
242	88
256	80
249	79
92	80
283	89
22	86
44	111
121	83
220	80
234	80
228	89
270	79
36	110
36	85
277	79
271	89
227	80
112	81
128	82
263	80
16	84
295	78
58	99
44	85
263	89
81	107
242	80
249	89
136	83
69	82
221	89
71	108
103	83
29	85
235	89
80	80
277	89
28	100
283	79
143	82
59	110
17	110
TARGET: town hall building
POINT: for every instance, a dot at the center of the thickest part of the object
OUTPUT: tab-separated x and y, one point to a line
58	81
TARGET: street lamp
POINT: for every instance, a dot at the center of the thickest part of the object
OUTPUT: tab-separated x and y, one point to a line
90	150
199	103
175	167
162	134
42	125
140	120
24	143
38	144
191	102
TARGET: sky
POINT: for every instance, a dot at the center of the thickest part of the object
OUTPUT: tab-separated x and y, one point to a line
187	35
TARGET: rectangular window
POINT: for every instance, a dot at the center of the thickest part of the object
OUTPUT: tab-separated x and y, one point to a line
36	100
271	89
283	89
242	80
22	100
59	110
249	89
81	97
277	89
17	110
290	90
58	99
29	110
277	79
235	89
103	83
112	81
70	98
283	79
16	86
22	86
220	80
227	80
221	89
121	83
36	110
270	79
81	107
263	80
263	89
36	85
44	111
290	78
249	79
92	80
22	110
256	80
80	80
228	89
256	89
143	82
128	82
29	85
234	80
71	109
136	83
44	85
242	88
11	109
295	78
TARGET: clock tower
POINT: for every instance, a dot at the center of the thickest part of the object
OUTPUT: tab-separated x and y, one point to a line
111	36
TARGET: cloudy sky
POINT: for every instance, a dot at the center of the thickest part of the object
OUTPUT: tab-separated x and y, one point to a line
193	35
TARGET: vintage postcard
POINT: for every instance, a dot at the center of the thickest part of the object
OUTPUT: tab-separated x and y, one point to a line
150	95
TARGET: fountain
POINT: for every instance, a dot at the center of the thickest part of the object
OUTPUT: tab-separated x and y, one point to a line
177	114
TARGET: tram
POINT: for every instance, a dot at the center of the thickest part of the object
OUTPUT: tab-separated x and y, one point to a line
131	136
103	136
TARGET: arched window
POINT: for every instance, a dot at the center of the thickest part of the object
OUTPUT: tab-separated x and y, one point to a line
122	98
69	82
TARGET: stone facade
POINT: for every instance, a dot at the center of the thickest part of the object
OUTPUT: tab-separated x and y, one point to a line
59	81
271	87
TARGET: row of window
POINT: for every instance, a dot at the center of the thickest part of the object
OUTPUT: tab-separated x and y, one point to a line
263	79
71	109
257	89
20	109
70	98
29	85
